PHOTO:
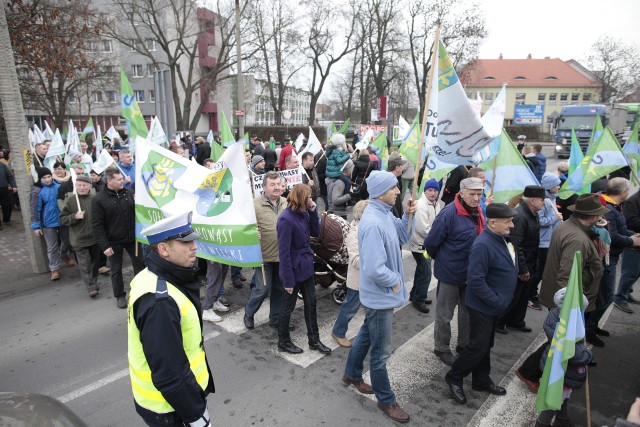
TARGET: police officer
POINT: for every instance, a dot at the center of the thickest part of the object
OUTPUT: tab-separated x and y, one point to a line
170	376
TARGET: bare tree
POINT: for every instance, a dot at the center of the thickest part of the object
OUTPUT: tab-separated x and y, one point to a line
277	43
462	29
177	27
617	66
324	17
51	40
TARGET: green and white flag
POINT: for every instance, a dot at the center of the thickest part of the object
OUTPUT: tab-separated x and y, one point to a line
606	157
131	110
220	199
89	128
383	151
156	133
511	174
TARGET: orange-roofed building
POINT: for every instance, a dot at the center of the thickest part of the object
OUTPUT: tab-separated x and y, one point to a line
540	87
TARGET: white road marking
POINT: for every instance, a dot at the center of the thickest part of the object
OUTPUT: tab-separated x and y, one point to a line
111	378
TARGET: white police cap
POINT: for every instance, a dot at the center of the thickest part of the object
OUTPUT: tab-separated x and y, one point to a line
176	227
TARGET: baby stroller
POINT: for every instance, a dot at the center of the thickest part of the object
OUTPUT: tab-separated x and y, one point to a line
330	257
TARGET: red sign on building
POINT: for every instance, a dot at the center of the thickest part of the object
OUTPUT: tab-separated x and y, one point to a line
382	108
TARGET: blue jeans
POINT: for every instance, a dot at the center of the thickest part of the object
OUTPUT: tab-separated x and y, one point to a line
630	272
374	335
348	309
236	272
261	291
421	278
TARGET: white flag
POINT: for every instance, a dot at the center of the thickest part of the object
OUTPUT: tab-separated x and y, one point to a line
98	141
103	161
313	145
156	135
299	141
112	133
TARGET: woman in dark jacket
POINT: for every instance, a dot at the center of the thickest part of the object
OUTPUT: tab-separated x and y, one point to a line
362	169
295	226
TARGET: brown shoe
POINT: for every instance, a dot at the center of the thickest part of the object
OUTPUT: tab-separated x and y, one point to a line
342	342
104	270
55	275
237	284
94	292
360	385
69	262
395	412
531	385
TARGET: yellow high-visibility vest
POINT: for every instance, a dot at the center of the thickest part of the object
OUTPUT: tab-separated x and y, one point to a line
144	392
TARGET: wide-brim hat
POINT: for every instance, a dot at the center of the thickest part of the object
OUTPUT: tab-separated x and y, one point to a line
588	204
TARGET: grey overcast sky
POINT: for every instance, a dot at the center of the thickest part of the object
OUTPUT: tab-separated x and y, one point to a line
563	29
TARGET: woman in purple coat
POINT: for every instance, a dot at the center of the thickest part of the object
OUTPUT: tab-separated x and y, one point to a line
295	226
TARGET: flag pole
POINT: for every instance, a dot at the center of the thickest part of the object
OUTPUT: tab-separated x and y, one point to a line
586	393
434	56
495	167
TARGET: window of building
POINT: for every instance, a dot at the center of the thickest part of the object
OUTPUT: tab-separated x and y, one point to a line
152	96
553	97
151	45
107	46
139	94
111	95
519	78
586	97
563	98
151	69
521	98
489	78
551	78
542	96
97	96
71	97
137	70
488	98
575	97
112	69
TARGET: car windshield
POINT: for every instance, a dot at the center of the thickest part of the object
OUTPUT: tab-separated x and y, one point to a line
577	122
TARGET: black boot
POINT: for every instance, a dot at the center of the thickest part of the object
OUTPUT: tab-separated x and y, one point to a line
320	347
289	347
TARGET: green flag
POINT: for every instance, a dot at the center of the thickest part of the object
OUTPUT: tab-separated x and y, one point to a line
596	133
345	126
131	109
507	174
575	158
226	136
570	329
410	145
216	151
606	157
436	168
383	152
632	151
87	129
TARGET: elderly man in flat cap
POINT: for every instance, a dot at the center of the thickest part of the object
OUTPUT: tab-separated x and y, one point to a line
526	239
170	376
491	281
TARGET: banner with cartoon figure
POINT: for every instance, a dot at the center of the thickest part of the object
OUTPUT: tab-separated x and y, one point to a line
220	199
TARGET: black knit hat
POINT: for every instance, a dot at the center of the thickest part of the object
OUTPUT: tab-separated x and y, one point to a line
42	172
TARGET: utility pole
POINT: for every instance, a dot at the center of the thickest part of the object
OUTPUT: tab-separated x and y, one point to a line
17	133
240	84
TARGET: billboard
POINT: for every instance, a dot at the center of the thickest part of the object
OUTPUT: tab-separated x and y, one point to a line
528	115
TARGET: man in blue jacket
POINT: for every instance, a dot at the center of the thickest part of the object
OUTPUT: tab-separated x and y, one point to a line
382	289
449	243
491	281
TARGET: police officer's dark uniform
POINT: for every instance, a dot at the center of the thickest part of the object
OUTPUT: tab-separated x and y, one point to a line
170	376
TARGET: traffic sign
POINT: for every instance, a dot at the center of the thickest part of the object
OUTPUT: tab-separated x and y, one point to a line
238	113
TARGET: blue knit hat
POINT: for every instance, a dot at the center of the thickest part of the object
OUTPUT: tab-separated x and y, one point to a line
379	182
549	180
432	183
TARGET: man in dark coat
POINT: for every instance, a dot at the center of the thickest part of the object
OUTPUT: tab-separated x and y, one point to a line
452	184
526	239
114	229
203	150
491	281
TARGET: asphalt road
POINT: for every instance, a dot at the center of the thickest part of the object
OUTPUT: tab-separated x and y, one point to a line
55	340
